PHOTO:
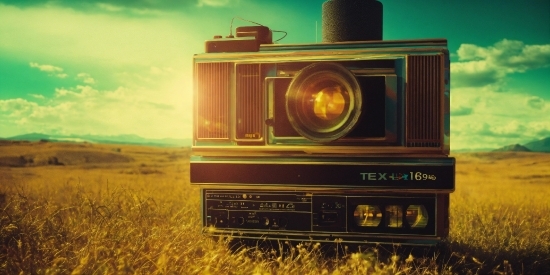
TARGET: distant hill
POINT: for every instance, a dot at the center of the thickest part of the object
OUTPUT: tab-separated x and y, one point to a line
513	148
469	150
29	137
542	145
118	139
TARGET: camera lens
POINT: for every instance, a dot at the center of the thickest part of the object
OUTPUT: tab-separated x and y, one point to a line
323	102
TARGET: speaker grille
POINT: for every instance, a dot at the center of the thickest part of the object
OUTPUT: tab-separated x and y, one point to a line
213	86
249	102
424	101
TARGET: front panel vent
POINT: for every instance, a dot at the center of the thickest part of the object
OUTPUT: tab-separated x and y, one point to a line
213	86
423	108
250	104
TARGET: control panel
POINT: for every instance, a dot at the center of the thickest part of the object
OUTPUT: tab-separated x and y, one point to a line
269	211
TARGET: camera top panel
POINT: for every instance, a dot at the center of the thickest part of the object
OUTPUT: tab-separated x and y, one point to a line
249	44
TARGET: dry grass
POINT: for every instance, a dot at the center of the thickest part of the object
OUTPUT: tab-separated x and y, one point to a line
140	215
500	211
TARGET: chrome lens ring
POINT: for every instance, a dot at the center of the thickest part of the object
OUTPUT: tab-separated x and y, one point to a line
323	102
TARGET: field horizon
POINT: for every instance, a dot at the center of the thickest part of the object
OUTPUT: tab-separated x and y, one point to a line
84	208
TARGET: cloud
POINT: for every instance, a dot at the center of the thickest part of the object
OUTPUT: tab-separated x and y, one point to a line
156	110
136	7
81	92
16	107
71	37
128	72
474	74
52	70
37	96
484	118
484	111
461	111
213	3
481	66
536	102
86	78
45	68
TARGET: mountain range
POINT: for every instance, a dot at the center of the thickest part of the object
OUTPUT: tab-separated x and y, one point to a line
542	145
116	139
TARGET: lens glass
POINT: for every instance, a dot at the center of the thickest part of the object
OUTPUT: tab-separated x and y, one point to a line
394	216
329	103
323	102
417	216
367	215
325	105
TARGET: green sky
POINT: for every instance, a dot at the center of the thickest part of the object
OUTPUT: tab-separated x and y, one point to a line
124	67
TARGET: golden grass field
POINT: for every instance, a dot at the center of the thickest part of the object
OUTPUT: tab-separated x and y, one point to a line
70	208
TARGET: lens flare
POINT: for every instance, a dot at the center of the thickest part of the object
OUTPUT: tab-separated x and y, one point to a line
329	103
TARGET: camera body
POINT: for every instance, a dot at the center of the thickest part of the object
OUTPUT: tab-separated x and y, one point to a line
344	141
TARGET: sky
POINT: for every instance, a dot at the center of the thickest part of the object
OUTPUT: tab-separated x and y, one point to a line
113	67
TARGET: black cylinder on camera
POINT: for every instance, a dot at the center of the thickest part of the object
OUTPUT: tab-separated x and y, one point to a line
352	20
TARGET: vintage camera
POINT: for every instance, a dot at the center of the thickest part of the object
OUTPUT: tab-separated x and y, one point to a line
335	141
